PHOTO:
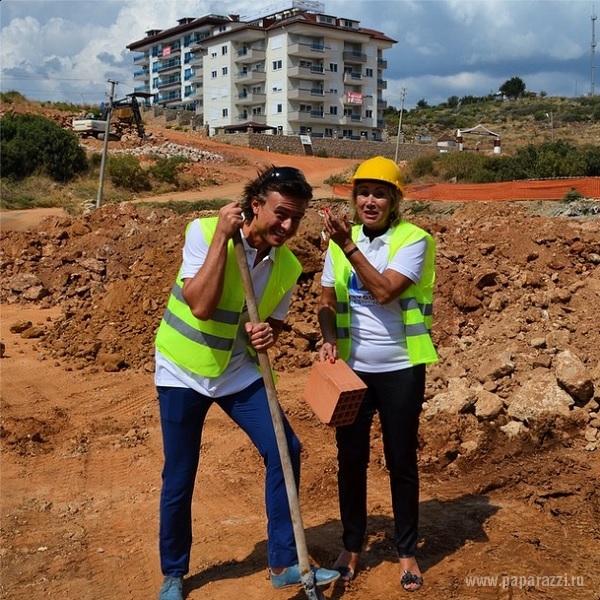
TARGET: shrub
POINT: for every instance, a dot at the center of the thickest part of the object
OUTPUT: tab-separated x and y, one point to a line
126	172
33	144
167	169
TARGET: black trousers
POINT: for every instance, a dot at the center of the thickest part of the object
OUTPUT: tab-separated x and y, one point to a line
398	397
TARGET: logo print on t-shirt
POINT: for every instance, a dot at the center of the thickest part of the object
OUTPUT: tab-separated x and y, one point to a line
358	294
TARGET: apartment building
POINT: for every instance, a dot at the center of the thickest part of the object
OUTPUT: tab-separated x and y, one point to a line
296	70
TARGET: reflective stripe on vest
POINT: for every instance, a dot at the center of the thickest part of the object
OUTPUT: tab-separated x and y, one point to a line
204	347
416	303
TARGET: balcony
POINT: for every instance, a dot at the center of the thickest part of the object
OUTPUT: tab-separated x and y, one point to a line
141	59
143	74
303	49
353	56
245	99
169	65
382	63
307	72
169	97
382	84
250	55
254	76
168	82
261	119
354	76
350	119
305	93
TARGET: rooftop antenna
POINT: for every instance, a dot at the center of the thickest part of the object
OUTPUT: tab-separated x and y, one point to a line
593	74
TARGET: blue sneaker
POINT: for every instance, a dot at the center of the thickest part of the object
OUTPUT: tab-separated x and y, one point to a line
291	576
171	589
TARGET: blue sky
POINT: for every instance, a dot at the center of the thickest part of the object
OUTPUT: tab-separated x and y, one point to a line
66	50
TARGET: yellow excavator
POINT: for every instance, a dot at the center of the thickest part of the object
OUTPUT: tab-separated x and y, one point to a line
125	112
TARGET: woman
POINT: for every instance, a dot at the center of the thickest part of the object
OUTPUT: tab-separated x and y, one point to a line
375	314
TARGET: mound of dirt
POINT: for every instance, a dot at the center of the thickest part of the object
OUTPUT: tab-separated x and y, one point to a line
509	434
515	302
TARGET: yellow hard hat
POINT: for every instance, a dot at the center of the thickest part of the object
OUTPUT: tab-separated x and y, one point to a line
380	169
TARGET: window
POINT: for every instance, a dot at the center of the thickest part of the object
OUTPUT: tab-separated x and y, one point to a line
213	74
225	112
333	67
224	71
223	50
333	110
368	72
213	54
277	86
369	114
277	65
279	108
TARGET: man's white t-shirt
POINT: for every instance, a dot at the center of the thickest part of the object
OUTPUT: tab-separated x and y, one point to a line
241	371
377	330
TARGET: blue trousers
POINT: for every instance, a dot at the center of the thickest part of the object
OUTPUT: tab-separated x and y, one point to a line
182	414
398	397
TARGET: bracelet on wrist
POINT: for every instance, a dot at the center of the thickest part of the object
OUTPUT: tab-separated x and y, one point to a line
351	252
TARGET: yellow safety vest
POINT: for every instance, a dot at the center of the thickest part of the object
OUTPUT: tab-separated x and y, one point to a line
205	347
416	303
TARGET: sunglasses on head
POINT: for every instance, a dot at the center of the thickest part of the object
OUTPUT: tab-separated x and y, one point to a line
285	174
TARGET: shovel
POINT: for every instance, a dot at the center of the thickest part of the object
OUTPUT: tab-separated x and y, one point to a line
306	573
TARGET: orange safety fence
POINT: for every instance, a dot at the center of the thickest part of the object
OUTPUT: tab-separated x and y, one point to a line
541	189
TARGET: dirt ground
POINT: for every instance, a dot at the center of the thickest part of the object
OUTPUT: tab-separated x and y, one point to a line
506	512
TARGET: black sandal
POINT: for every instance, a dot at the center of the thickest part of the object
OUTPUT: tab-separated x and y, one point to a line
346	574
409	578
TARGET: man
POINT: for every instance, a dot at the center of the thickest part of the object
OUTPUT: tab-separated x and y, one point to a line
206	353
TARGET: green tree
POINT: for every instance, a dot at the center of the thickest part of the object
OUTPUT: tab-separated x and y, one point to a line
513	88
33	144
452	101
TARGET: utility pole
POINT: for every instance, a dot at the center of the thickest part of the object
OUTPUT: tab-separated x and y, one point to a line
105	146
593	66
403	96
550	115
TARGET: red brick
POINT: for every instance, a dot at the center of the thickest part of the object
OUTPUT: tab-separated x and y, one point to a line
334	392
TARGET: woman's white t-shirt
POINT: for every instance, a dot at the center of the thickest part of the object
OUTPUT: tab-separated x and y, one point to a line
241	371
377	330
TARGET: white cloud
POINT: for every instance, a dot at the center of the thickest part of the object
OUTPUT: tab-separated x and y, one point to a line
66	50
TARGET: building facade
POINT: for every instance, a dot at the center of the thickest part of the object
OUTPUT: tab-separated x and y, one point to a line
294	71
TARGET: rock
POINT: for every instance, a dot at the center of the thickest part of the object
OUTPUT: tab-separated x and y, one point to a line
487	405
573	376
540	395
23	281
306	331
496	367
33	332
20	326
458	399
513	429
